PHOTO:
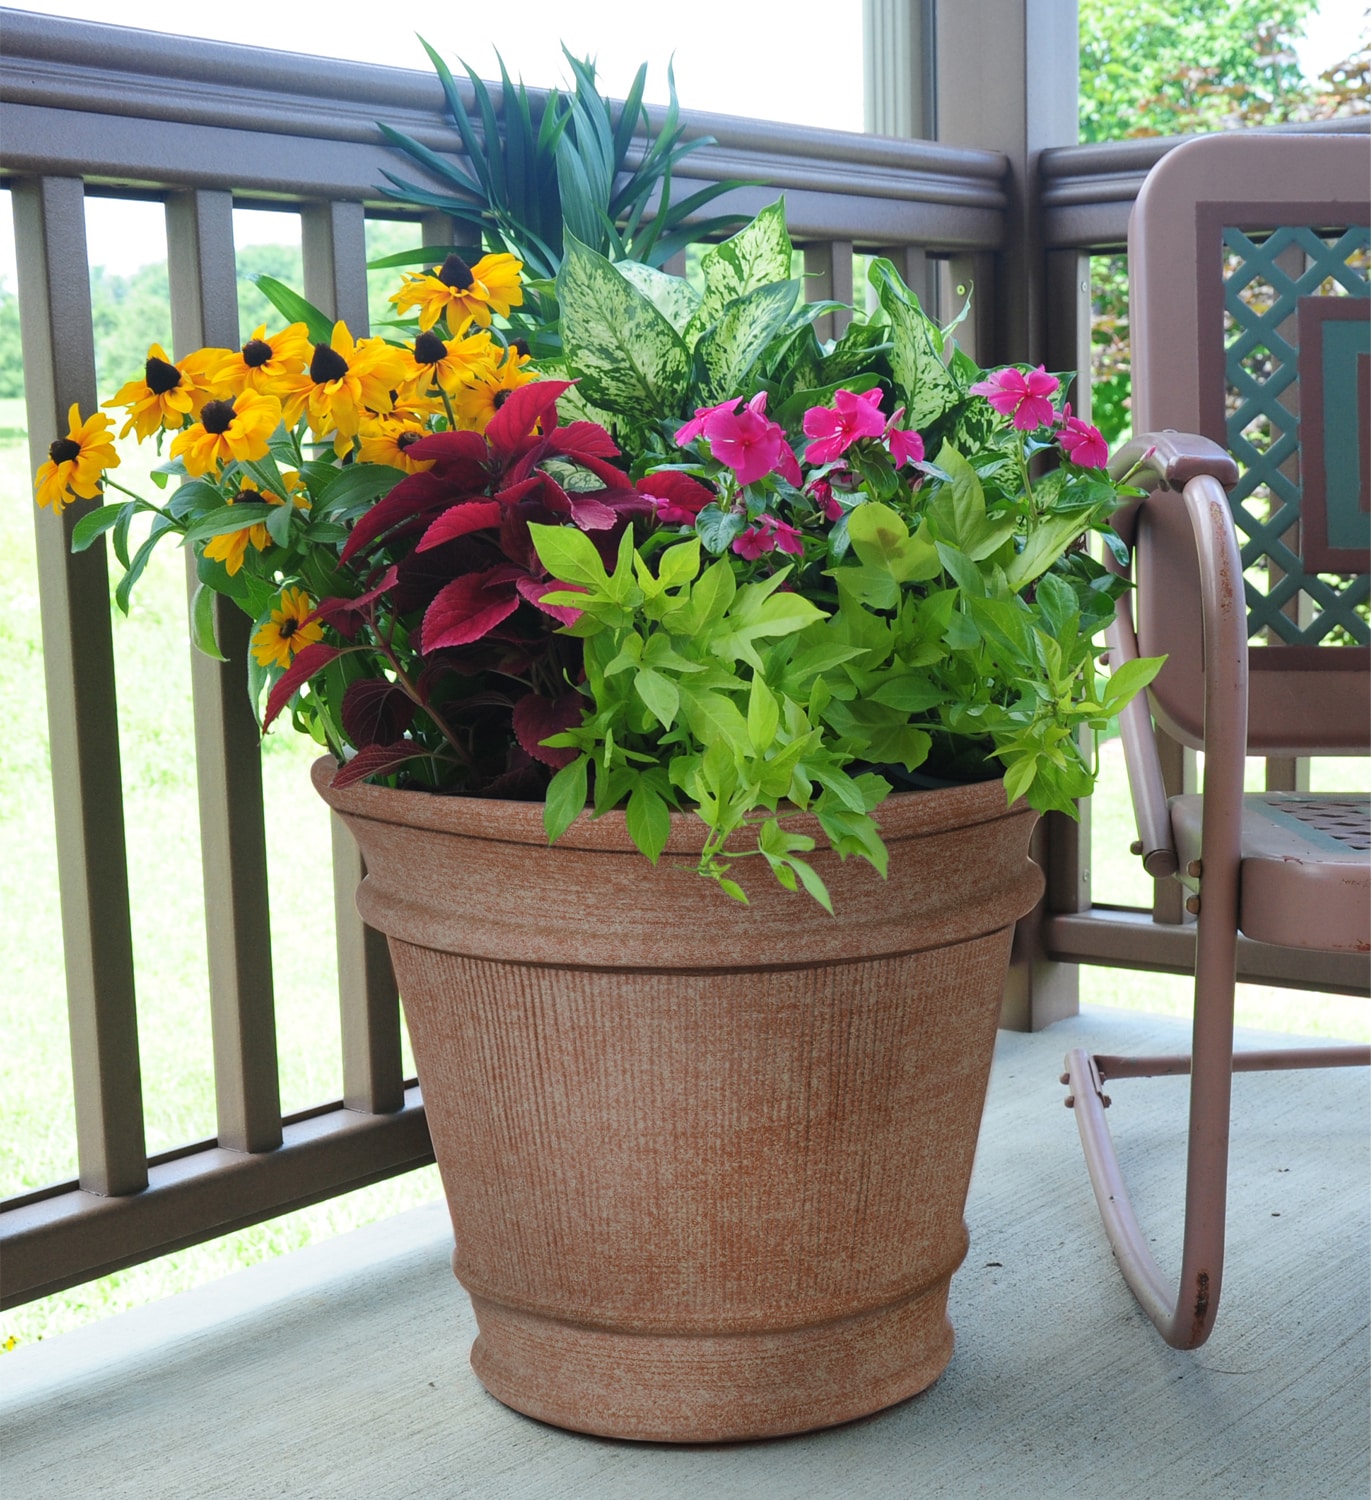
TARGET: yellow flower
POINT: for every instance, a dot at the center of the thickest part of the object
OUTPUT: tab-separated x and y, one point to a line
238	428
347	378
270	366
460	361
475	405
286	633
75	463
384	440
231	547
463	293
168	393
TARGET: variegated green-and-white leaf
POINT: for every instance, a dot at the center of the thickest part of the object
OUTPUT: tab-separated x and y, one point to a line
728	352
927	388
627	356
758	254
673	296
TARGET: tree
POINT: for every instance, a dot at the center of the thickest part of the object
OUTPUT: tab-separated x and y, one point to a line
1180	67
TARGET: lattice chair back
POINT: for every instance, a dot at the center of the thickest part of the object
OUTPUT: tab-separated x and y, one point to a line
1249	305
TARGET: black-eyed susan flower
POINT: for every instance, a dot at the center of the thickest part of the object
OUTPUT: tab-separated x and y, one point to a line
347	379
476	404
462	293
237	428
231	547
288	631
385	440
450	364
272	366
75	463
168	393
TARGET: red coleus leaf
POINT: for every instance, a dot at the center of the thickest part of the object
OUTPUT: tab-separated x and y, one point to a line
533	590
347	616
470	515
416	498
611	477
455	453
470	607
680	491
537	718
314	658
376	712
520	412
590	512
578	440
373	760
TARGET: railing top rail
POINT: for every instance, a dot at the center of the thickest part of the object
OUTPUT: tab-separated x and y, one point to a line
104	78
1087	191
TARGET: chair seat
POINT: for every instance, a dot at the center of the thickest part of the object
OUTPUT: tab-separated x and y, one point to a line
1304	878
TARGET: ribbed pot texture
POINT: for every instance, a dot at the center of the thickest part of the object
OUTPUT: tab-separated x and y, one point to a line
706	1163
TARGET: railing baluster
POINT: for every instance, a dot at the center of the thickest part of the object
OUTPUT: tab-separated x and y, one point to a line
204	301
334	245
78	660
829	274
335	248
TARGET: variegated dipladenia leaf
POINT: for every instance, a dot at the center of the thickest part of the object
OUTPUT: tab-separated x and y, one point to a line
674	297
728	352
758	254
926	387
627	357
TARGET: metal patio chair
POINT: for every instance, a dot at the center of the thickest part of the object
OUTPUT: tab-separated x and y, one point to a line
1249	318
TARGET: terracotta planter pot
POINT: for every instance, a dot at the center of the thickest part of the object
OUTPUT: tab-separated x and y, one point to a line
706	1164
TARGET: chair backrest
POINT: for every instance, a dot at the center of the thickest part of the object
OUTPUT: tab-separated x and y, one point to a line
1248	258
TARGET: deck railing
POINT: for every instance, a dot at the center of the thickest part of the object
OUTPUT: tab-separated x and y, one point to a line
204	127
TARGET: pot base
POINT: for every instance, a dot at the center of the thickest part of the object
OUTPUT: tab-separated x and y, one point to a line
711	1388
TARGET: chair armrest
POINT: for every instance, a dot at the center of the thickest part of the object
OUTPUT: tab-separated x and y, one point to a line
1173	458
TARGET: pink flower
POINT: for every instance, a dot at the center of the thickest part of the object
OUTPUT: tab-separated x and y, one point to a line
838	427
693	429
822	493
1081	442
749	444
906	447
767	534
1023	398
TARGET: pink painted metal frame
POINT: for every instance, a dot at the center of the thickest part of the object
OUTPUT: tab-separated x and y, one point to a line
1189	476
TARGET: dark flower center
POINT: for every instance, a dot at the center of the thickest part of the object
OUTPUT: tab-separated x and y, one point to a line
289	626
429	349
216	416
521	348
456	273
500	398
256	353
63	451
246	496
406	438
161	377
327	364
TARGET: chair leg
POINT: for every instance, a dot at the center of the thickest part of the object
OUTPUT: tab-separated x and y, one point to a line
1185	1317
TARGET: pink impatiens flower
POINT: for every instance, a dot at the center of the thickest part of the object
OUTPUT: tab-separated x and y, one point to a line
767	534
696	426
748	443
822	493
835	429
906	447
1023	398
1081	442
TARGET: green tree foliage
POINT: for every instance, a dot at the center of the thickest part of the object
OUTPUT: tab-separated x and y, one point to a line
1172	67
1180	67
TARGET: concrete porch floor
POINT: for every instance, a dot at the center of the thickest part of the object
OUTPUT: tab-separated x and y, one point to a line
342	1371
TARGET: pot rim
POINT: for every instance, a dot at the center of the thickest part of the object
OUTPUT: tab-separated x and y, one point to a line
902	815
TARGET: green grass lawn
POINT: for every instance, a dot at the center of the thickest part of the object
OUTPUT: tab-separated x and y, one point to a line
37	1139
